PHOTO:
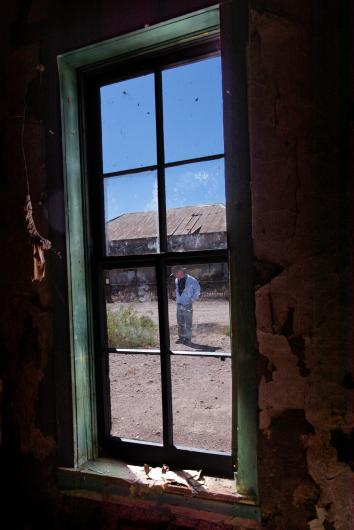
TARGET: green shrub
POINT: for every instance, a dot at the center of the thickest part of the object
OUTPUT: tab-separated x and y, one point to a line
127	329
227	330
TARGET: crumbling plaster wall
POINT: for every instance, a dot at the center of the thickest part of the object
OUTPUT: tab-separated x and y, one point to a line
305	383
306	388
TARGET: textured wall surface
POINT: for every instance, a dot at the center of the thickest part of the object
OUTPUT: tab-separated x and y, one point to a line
298	86
306	390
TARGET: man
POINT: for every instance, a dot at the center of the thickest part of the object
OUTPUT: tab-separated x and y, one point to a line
187	292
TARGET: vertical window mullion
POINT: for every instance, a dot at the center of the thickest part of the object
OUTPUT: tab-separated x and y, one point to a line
161	270
166	385
160	163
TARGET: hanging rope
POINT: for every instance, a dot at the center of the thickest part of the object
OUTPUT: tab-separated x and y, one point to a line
39	243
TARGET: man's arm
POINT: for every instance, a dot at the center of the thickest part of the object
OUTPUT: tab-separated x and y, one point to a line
196	290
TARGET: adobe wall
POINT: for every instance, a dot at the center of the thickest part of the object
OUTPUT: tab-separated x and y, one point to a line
301	235
298	192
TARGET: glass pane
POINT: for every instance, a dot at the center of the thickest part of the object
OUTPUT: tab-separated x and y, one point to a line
192	106
195	201
131	214
198	306
135	385
128	124
201	398
131	308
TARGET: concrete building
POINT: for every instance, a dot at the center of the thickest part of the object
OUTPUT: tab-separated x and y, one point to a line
188	228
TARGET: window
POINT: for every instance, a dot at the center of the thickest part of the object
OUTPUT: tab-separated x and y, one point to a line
161	182
121	253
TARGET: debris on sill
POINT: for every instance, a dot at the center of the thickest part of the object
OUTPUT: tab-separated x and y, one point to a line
185	482
191	483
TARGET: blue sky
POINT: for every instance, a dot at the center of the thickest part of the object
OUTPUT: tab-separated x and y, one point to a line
192	128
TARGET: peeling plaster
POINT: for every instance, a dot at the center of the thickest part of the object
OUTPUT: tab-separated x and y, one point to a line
287	388
299	314
335	479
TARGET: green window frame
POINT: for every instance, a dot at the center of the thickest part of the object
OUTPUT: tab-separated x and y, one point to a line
185	29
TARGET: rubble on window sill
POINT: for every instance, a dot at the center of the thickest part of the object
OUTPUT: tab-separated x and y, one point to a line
189	483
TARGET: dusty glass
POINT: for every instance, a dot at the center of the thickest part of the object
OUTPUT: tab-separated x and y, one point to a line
131	214
192	107
128	124
195	203
135	391
201	400
131	309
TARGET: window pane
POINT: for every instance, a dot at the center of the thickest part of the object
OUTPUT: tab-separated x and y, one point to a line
131	308
201	394
136	396
192	106
195	200
204	324
128	124
131	214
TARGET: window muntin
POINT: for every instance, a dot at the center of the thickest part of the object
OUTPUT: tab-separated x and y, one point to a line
159	252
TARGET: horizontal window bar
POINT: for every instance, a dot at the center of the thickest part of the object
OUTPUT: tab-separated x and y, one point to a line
200	353
173	55
168	258
139	442
132	351
169	164
191	450
129	171
195	353
140	452
194	160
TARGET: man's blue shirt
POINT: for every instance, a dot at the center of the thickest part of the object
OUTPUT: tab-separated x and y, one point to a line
190	293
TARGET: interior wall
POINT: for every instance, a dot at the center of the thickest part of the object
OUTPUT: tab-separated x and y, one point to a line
297	73
298	88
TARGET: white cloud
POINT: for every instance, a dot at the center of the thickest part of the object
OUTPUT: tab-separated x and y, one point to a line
153	203
201	176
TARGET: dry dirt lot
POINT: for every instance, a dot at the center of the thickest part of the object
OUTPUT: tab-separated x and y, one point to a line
201	385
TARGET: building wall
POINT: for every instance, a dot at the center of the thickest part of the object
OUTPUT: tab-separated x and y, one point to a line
176	243
298	85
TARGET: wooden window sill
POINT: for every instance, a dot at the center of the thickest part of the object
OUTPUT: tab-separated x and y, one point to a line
118	482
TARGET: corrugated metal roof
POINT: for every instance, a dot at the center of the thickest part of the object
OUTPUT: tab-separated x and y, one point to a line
203	219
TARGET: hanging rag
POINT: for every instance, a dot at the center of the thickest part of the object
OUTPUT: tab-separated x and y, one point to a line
39	244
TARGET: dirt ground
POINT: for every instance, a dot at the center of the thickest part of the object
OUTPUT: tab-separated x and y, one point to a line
210	323
201	385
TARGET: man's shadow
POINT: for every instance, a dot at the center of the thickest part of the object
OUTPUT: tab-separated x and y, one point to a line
203	347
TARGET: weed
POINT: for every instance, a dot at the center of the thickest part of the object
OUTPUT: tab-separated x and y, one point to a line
127	329
227	330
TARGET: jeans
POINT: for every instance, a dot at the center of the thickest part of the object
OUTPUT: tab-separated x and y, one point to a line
184	321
